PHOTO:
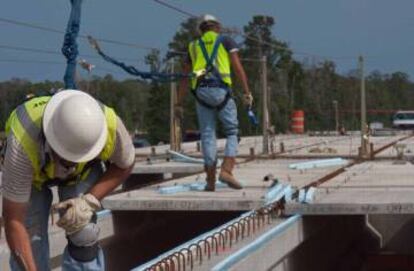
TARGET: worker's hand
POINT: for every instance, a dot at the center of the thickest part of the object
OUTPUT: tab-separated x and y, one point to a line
77	212
248	99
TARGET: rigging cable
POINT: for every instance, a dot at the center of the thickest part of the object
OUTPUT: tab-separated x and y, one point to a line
157	76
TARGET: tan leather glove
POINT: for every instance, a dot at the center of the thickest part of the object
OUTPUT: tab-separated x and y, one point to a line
248	99
77	212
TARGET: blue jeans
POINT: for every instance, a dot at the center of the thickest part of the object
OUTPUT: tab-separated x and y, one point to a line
37	226
207	123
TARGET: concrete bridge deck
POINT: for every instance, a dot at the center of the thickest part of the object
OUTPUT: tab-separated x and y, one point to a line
376	187
297	149
175	195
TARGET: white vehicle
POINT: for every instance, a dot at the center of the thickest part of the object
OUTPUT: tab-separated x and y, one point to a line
403	120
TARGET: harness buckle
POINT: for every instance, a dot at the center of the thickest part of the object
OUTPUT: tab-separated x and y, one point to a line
200	73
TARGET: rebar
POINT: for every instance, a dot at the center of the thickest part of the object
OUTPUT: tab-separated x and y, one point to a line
189	256
199	252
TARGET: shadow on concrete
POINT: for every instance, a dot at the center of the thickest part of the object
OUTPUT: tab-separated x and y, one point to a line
142	236
337	243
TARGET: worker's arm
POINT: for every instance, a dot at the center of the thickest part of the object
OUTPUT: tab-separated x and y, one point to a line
79	210
14	214
239	71
122	161
111	179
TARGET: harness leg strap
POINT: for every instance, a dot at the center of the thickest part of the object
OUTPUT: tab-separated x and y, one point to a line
218	107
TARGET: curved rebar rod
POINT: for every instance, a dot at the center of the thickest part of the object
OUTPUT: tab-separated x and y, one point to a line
179	256
207	247
189	257
215	244
235	231
199	252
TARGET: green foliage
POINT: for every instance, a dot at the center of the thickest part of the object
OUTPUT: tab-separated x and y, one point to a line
158	111
188	31
127	97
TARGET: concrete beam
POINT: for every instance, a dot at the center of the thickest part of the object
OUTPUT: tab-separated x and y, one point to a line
181	204
167	167
349	208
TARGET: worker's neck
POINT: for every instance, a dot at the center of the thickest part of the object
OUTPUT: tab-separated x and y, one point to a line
60	160
215	30
210	31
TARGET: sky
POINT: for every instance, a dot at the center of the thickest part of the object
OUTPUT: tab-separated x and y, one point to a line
380	30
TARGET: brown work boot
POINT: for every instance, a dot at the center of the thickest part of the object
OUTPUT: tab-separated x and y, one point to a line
226	175
211	178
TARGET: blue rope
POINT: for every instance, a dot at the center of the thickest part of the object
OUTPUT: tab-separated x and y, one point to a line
70	46
155	76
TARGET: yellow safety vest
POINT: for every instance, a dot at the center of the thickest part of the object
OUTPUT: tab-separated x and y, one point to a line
25	124
199	62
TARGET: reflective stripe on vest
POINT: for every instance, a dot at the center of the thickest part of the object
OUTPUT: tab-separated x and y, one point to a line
221	62
25	124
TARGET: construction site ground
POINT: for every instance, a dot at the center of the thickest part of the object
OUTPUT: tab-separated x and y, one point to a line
164	203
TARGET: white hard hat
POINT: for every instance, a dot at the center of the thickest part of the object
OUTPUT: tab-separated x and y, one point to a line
74	125
208	18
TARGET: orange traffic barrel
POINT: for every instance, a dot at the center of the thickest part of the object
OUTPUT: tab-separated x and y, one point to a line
298	122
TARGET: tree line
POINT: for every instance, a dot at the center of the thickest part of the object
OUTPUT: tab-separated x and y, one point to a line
308	85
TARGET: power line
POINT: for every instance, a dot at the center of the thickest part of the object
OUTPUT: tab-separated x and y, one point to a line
31	61
165	4
24	24
246	36
54	30
26	49
21	61
50	52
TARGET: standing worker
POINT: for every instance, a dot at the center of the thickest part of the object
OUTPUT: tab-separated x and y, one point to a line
210	59
61	141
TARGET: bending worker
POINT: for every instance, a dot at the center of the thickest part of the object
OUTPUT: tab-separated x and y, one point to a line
210	58
61	141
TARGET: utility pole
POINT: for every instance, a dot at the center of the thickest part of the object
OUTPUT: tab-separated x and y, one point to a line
364	132
335	104
175	133
265	97
265	105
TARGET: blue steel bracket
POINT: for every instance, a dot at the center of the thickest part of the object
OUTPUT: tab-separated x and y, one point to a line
174	189
289	194
319	163
179	157
302	195
310	195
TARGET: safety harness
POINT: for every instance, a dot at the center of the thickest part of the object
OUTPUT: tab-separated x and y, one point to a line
210	76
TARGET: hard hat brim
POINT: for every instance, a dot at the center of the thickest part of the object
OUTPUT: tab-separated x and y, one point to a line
208	19
51	138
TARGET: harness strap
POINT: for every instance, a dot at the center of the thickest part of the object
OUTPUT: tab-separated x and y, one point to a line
211	68
218	107
72	180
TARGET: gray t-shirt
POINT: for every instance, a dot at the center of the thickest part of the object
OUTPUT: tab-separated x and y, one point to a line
18	170
230	44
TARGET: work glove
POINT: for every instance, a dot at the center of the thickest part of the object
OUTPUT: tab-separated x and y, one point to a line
248	99
77	212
